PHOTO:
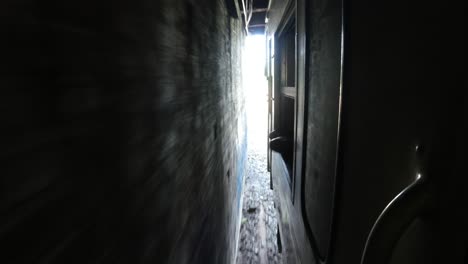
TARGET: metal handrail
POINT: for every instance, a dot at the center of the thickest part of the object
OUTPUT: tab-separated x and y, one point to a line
412	202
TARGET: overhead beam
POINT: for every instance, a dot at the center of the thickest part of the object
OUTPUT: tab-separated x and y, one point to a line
257	10
257	25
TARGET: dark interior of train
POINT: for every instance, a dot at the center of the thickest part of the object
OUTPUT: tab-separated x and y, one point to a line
233	131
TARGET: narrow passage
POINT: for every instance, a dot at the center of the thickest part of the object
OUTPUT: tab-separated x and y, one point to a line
258	232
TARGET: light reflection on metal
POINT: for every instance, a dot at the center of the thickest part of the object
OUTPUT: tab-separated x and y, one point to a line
247	10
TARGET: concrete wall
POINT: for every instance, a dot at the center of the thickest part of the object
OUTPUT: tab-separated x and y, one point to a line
123	131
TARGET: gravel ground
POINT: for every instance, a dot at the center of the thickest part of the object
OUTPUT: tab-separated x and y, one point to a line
258	232
258	241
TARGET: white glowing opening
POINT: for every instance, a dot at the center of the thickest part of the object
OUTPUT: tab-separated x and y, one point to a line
255	88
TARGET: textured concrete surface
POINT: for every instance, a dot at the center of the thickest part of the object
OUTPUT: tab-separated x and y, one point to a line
258	233
123	131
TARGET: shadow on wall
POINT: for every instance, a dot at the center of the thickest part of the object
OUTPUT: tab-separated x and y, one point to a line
118	138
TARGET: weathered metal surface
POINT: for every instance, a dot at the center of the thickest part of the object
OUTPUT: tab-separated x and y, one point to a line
400	90
287	183
323	87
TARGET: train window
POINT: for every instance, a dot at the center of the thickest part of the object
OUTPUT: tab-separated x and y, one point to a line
287	93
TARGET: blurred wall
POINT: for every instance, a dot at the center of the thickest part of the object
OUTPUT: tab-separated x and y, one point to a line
123	131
